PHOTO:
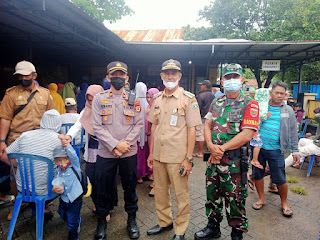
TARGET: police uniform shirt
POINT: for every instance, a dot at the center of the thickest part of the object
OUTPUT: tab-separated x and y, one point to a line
173	114
29	118
114	120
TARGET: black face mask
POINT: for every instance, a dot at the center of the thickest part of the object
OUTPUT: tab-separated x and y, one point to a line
26	82
117	82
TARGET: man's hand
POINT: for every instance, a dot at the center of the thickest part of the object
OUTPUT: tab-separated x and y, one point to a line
150	161
296	159
123	147
217	152
3	147
116	153
187	167
57	189
65	139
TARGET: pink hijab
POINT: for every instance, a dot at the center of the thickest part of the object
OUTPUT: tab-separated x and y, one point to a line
153	91
86	118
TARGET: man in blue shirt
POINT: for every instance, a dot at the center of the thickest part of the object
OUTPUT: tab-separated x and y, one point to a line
278	133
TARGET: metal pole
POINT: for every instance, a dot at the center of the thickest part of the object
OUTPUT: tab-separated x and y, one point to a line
300	77
283	74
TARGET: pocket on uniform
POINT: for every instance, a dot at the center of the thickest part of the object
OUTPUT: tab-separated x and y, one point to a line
106	115
128	117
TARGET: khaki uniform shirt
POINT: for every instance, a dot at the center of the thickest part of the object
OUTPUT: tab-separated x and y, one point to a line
173	114
29	118
114	120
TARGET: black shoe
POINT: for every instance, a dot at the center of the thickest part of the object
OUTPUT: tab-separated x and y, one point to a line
157	229
212	230
236	234
178	237
100	233
134	232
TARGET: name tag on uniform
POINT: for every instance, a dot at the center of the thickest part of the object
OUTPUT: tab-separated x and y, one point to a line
174	120
284	115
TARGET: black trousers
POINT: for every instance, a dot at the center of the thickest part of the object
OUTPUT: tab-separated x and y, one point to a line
91	173
106	170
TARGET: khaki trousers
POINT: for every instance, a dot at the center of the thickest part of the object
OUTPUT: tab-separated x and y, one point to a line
166	174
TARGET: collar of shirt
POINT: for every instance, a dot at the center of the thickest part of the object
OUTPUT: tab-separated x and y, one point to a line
239	98
21	88
176	93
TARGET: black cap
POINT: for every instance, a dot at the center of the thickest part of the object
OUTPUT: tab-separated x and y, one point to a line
297	104
207	83
171	64
115	66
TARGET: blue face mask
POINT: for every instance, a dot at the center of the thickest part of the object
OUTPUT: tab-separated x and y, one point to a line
232	85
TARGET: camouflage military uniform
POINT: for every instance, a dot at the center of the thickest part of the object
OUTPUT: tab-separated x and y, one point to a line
224	179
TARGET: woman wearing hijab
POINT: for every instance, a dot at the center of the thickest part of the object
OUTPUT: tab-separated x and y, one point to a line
67	91
81	98
57	99
150	96
91	143
143	147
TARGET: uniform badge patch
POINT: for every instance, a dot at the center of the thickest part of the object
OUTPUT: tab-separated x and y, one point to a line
253	112
137	108
105	118
109	111
128	119
137	103
105	101
126	103
123	95
110	94
195	105
103	112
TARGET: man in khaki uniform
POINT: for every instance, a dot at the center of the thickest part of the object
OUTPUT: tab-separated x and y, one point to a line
29	117
174	115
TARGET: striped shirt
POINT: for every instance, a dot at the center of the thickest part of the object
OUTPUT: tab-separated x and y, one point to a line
39	142
270	130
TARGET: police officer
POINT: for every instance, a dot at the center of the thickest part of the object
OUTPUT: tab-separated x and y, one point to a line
230	123
174	115
117	125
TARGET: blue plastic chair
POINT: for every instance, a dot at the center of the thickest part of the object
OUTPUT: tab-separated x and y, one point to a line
27	161
77	148
310	164
304	129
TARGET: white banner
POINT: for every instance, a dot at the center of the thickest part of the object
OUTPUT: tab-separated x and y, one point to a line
270	65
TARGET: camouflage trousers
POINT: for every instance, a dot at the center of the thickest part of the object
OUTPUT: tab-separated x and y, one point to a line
224	182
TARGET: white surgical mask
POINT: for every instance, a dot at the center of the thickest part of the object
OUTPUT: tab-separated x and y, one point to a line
232	85
170	85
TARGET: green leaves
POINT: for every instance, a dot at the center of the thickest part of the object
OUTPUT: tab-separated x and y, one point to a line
110	10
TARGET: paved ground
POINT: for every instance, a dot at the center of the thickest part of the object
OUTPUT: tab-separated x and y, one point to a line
267	223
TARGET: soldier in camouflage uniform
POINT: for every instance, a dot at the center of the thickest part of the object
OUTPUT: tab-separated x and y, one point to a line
230	123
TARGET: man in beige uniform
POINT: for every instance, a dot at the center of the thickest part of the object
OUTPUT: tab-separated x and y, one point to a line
174	115
28	118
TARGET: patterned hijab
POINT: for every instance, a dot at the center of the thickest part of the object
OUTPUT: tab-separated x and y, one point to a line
86	118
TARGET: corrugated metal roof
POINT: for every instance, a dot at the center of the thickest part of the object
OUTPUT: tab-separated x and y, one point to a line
164	35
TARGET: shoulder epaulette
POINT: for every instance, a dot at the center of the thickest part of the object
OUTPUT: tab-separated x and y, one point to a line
188	94
102	92
9	89
42	88
158	94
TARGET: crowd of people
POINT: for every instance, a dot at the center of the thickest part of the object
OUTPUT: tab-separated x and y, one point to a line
150	136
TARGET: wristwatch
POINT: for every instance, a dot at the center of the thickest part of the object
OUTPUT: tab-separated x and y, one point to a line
190	159
2	140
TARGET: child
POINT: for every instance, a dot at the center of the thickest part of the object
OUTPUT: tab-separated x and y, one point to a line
71	193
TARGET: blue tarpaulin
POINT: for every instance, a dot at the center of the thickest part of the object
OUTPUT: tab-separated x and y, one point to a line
306	88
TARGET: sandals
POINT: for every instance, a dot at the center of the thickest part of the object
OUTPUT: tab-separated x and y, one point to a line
251	185
287	212
258	206
151	193
10	198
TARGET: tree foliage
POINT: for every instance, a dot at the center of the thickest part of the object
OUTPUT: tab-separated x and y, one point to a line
110	10
263	20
